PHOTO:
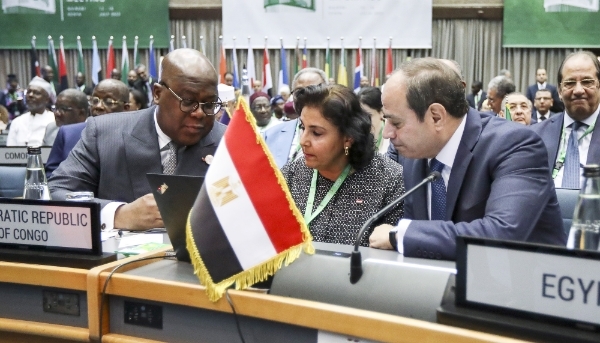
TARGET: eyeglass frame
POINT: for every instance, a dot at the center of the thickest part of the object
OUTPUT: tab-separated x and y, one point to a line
565	84
64	109
218	103
114	102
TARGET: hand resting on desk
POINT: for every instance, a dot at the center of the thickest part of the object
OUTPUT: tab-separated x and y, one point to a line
141	214
380	238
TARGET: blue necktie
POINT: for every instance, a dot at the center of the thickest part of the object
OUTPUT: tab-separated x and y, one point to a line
571	166
438	192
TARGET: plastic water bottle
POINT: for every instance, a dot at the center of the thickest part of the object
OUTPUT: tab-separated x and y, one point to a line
36	185
585	230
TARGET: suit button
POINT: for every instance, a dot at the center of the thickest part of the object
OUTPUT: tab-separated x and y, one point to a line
438	256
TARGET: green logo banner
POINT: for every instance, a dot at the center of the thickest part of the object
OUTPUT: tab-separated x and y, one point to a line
22	19
551	23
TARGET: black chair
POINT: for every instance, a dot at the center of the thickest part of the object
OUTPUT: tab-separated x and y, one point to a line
567	198
12	181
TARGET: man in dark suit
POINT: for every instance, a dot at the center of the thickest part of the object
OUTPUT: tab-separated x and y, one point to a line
498	88
80	82
477	95
542	104
144	83
542	77
567	149
178	136
492	169
71	107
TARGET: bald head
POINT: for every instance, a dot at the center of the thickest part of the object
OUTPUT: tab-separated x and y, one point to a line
188	64
188	79
114	95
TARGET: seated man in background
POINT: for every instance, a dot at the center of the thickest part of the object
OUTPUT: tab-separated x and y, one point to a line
109	96
29	128
498	87
571	137
116	151
71	107
519	107
492	170
260	105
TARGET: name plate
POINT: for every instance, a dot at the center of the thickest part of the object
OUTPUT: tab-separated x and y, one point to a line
18	154
53	225
529	280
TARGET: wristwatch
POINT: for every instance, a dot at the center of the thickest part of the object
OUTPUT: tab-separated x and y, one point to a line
393	238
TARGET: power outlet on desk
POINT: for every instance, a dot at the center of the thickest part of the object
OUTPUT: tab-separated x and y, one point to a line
61	303
143	314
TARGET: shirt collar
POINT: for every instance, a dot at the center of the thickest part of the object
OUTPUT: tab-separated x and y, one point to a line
163	139
448	152
542	85
589	121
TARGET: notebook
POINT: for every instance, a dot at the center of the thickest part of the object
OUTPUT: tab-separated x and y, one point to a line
175	195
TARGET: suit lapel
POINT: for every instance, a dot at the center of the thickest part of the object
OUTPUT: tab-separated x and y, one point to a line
416	170
593	156
142	151
462	159
554	131
192	159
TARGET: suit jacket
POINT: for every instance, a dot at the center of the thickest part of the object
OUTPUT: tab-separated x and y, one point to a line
471	100
534	116
66	138
279	139
551	129
557	105
498	173
115	153
50	135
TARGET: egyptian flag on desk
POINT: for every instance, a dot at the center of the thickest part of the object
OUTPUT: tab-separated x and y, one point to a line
244	223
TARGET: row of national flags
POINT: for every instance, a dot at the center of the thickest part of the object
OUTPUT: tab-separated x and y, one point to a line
299	63
59	65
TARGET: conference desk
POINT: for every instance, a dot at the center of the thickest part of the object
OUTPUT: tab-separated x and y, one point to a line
187	314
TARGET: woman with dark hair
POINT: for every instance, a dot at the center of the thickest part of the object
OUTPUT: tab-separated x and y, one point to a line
370	101
340	181
137	100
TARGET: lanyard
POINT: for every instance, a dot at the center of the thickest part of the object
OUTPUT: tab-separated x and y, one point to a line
309	215
379	139
562	155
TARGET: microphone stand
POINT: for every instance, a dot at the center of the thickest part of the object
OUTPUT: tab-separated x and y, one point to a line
356	258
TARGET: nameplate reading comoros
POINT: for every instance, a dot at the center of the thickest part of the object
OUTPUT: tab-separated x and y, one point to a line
18	154
548	284
46	225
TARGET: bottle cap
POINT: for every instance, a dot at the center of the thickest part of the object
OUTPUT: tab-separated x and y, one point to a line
34	150
591	170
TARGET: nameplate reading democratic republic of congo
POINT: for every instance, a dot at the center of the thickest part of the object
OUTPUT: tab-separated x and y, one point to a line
44	223
542	280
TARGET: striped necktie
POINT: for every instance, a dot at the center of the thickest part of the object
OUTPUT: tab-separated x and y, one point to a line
571	170
171	162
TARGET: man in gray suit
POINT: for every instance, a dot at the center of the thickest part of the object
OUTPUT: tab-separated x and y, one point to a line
116	151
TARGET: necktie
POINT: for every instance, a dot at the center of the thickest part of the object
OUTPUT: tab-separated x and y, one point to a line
571	166
542	117
438	192
171	163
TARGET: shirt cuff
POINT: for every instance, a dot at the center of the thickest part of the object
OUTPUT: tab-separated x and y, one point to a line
402	227
107	215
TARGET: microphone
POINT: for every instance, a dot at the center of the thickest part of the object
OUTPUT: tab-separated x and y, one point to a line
356	259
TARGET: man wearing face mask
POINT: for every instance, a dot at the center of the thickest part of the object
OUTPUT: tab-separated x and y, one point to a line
29	128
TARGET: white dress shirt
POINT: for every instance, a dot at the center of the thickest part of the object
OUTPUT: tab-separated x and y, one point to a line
584	143
542	85
446	156
28	129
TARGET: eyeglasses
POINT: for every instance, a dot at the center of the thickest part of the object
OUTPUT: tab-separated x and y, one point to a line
189	106
63	109
513	107
108	102
261	107
585	83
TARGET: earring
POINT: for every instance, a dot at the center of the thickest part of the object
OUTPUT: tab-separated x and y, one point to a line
346	150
